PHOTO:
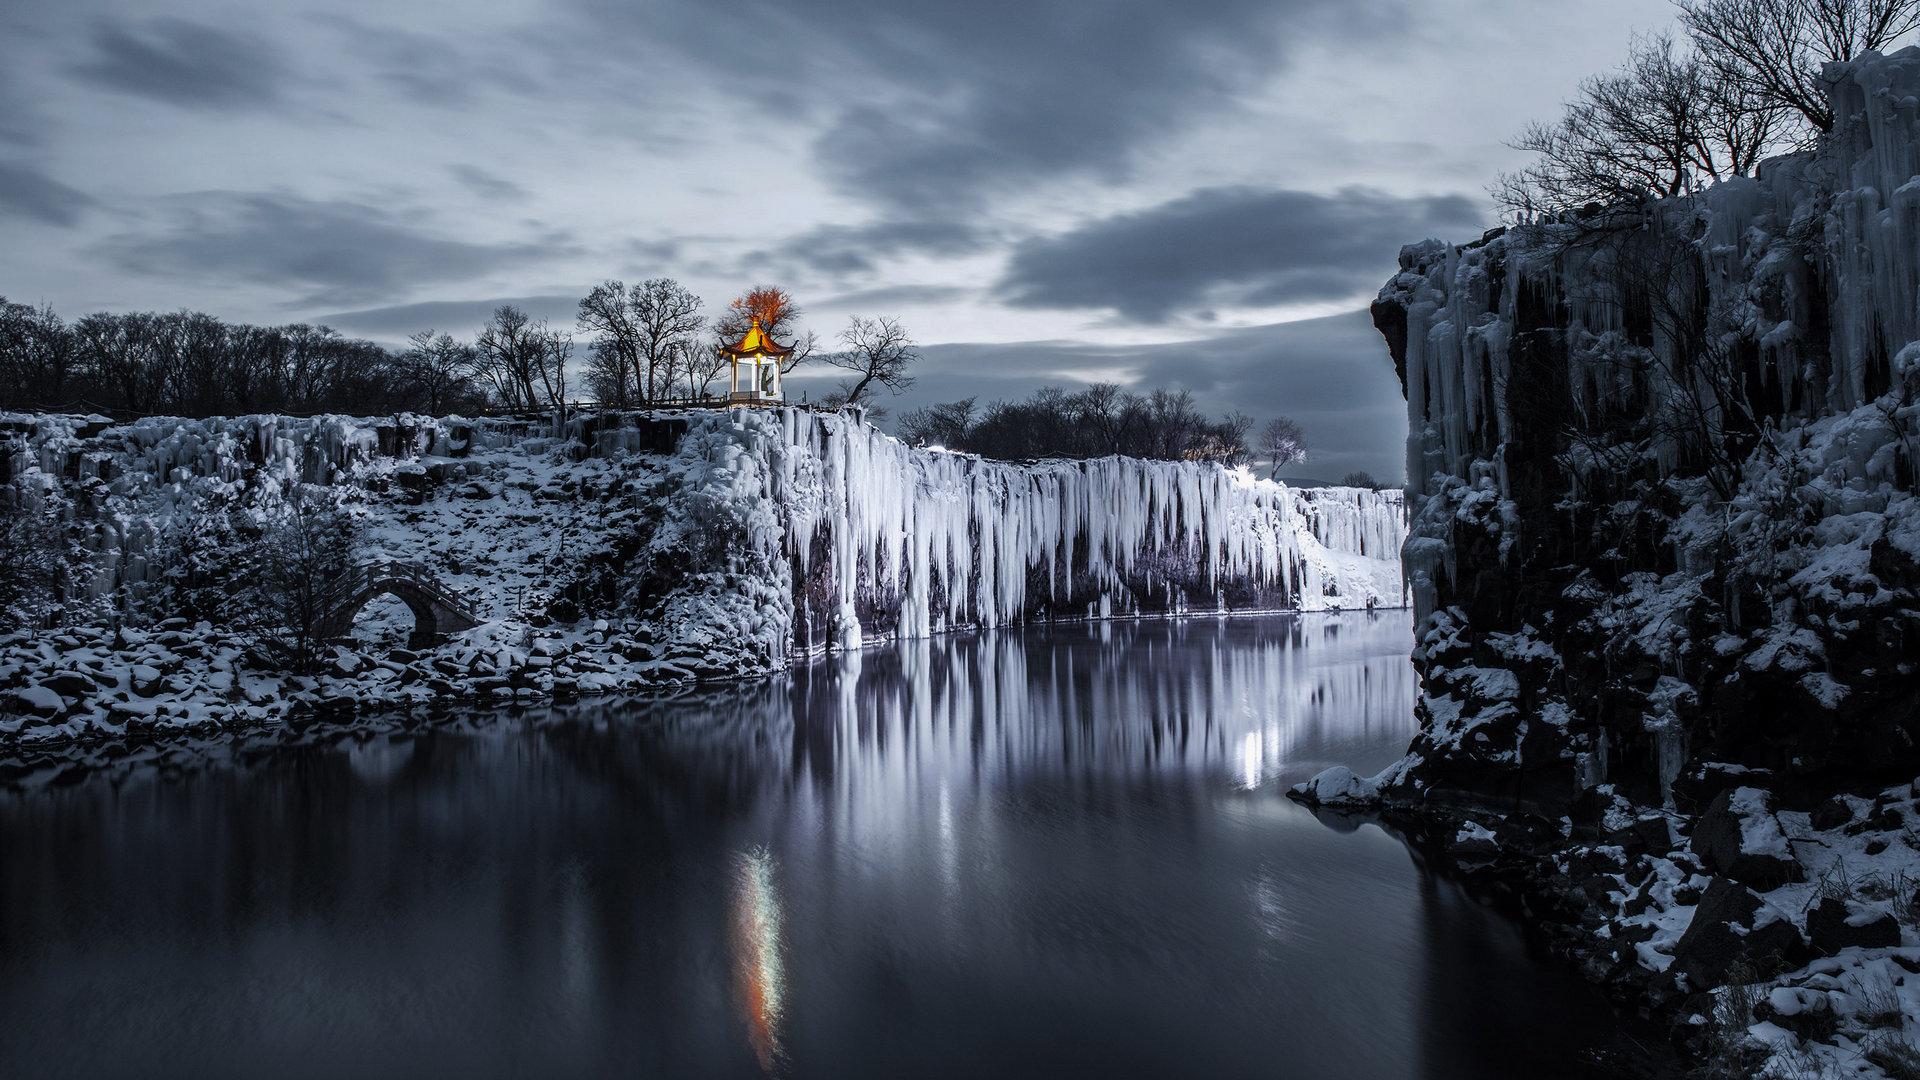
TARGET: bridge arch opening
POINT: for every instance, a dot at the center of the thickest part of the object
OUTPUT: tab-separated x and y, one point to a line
386	619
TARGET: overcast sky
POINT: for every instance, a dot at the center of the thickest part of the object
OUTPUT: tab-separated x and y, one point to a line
1199	193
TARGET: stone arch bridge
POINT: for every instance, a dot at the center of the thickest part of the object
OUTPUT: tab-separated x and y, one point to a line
437	612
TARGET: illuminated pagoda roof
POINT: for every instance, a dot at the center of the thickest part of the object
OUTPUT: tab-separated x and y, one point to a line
756	342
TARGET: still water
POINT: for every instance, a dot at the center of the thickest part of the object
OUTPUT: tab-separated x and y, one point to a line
1063	852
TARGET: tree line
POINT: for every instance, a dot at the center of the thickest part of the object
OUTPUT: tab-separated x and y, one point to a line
1103	419
644	343
1743	80
192	364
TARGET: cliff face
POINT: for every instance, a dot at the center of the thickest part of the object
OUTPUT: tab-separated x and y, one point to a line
1661	475
623	550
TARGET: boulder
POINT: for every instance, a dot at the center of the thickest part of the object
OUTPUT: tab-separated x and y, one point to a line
34	699
1834	924
1738	836
1337	786
145	679
70	684
1733	925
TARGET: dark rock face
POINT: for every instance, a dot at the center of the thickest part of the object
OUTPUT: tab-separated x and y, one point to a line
1634	632
1738	836
1605	597
1733	925
1834	924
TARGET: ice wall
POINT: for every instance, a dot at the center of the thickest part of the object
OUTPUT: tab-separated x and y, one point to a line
1811	270
917	541
777	529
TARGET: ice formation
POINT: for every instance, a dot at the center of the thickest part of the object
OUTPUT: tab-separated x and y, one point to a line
922	541
662	546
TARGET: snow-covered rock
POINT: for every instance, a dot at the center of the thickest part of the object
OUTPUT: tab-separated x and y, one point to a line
618	550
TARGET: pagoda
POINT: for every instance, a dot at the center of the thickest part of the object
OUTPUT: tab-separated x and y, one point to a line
756	361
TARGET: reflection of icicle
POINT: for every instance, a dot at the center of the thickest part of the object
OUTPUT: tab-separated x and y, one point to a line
759	979
939	540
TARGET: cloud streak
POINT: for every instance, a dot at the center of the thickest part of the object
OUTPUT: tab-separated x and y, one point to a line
335	251
1230	246
26	192
185	63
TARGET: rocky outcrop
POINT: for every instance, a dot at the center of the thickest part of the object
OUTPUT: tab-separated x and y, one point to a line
1664	551
1661	472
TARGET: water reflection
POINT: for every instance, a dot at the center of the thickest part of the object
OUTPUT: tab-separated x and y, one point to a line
756	955
1064	852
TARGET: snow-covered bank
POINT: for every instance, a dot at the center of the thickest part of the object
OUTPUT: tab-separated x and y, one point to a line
1664	532
615	552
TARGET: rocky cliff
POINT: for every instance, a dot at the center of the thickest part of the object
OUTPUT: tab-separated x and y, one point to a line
1664	551
1661	477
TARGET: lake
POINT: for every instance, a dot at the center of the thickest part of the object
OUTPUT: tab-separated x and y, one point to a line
1059	851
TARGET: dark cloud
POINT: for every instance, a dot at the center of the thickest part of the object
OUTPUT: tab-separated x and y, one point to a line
930	107
185	63
486	184
457	317
840	250
335	251
29	193
1230	245
1333	375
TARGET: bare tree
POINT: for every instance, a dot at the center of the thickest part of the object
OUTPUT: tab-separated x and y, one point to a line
36	356
613	363
1283	443
303	550
43	567
523	360
667	320
441	369
1665	123
878	351
939	425
1774	50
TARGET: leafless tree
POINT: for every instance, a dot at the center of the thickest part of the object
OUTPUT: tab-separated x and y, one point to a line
304	548
641	335
440	367
523	360
36	357
1282	443
939	425
1665	123
879	350
1774	50
613	363
667	317
43	567
1103	419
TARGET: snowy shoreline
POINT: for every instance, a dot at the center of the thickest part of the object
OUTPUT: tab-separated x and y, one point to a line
154	693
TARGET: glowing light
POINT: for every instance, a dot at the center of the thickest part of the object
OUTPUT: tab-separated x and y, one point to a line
759	981
1250	753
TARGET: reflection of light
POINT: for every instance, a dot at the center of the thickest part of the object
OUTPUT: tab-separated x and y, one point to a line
758	980
1250	760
